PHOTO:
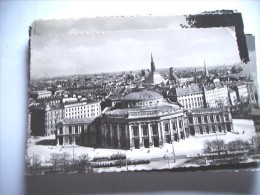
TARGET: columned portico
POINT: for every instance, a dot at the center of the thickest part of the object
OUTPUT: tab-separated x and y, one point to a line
111	134
178	129
150	135
163	132
140	136
118	136
147	119
160	134
171	131
130	136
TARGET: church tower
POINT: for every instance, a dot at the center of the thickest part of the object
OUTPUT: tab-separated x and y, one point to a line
206	72
195	75
154	77
152	64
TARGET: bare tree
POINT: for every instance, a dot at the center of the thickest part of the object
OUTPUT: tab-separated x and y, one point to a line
82	164
65	161
238	144
55	160
214	145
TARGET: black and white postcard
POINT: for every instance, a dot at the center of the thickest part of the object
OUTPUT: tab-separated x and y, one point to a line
142	93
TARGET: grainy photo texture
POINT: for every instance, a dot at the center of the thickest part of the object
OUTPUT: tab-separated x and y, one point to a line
142	93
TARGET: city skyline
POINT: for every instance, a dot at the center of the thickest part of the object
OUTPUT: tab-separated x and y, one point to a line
130	50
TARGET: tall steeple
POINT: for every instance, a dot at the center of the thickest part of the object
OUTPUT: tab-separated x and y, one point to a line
195	75
206	72
152	64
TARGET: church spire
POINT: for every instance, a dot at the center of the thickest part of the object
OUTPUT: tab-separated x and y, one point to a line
152	64
195	75
206	69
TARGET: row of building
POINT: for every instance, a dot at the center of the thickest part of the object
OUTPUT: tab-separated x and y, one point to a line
212	95
142	118
44	117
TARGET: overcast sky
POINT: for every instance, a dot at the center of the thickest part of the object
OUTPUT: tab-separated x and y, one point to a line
131	50
119	23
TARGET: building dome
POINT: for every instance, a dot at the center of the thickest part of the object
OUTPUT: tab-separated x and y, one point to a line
142	95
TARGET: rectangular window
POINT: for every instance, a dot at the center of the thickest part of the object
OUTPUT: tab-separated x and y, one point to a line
199	119
82	128
154	129
122	130
205	119
135	130
115	132
174	125
145	130
61	130
180	123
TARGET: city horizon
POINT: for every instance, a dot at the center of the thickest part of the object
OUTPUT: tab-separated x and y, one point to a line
110	51
198	68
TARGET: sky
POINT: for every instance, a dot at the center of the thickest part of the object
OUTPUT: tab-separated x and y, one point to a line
96	52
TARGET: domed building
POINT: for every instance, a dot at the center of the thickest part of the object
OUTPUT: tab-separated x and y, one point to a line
142	119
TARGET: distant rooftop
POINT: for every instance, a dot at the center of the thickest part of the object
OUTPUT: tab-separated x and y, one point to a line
84	101
181	91
142	95
154	111
78	120
205	110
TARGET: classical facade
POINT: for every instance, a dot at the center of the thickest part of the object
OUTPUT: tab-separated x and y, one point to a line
142	120
189	97
82	109
209	121
45	117
216	95
75	131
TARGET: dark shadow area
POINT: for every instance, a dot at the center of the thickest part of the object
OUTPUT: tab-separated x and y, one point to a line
47	142
218	182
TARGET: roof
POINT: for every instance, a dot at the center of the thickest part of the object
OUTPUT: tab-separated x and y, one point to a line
40	92
142	95
148	111
78	120
206	110
188	90
115	97
80	102
47	107
214	86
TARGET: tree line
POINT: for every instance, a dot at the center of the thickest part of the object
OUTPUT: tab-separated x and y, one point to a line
239	144
58	163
